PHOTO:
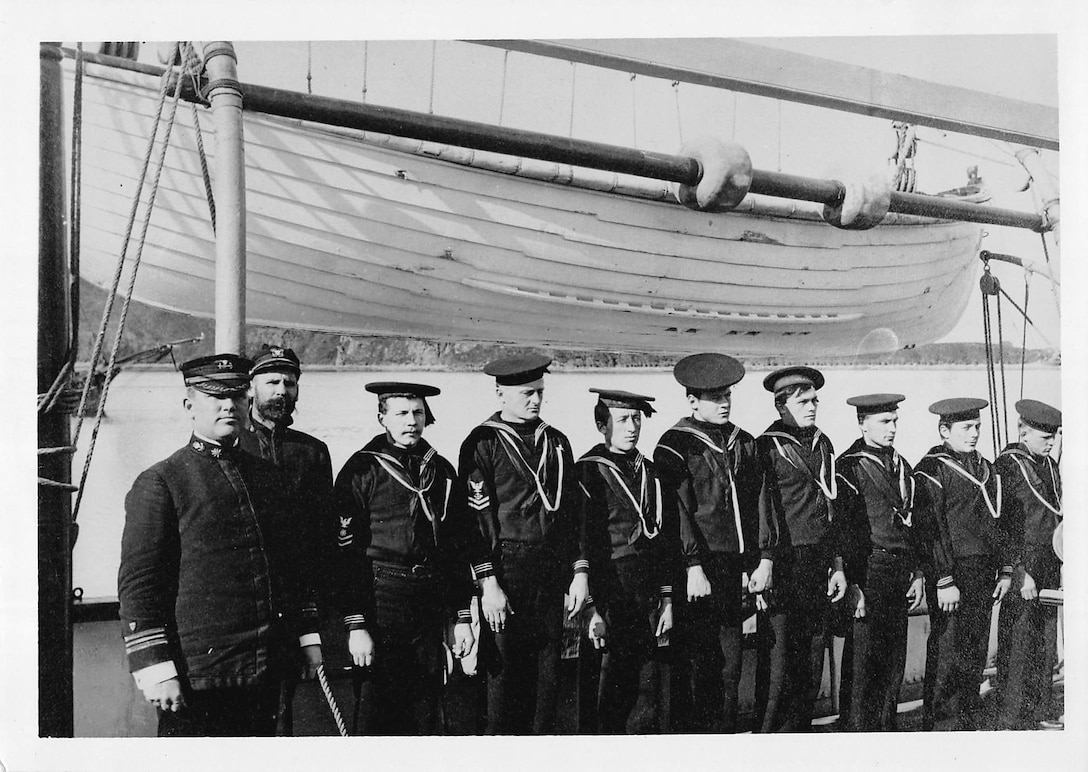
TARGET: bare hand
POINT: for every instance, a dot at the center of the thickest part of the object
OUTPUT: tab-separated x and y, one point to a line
598	630
577	594
698	584
917	593
311	658
165	695
761	577
1003	585
948	598
761	602
361	646
494	605
664	617
857	600
836	586
1028	590
463	639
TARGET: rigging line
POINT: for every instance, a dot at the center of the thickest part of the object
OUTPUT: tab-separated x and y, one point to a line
434	55
309	66
1004	388
160	165
779	135
107	311
679	122
733	130
573	84
990	384
979	156
366	56
634	114
191	67
502	88
1024	339
74	220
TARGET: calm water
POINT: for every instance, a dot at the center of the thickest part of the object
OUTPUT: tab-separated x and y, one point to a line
145	423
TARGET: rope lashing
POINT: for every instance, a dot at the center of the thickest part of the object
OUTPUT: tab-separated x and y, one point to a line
573	86
634	113
333	707
679	122
309	67
502	87
434	56
366	57
903	158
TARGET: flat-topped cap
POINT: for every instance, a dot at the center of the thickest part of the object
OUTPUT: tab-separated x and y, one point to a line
706	372
624	399
1039	415
958	408
789	376
516	370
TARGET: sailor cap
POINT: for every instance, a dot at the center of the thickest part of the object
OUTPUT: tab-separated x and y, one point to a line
276	358
385	388
868	404
1039	415
221	375
788	376
958	408
516	370
706	372
624	399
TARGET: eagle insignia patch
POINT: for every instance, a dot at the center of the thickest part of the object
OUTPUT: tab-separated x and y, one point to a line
477	499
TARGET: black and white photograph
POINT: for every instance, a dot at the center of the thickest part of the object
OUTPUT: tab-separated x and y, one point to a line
416	381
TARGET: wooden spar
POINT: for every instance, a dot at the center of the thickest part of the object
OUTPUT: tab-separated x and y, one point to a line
55	712
749	68
593	155
225	95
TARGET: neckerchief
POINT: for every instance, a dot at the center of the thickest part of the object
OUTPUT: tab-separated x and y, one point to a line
946	458
729	459
512	443
396	469
824	481
640	504
876	471
1031	476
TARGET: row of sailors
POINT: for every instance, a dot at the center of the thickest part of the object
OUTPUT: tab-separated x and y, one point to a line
233	543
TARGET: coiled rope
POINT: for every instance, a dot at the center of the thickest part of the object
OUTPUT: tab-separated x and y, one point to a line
333	707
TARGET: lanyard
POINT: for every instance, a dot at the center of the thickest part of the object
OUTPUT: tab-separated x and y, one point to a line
426	480
829	490
640	503
1031	487
728	471
995	511
511	444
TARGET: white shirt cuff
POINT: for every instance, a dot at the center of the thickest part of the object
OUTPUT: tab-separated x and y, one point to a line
155	674
310	639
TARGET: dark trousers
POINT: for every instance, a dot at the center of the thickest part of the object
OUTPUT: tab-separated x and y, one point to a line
522	662
401	692
630	694
875	653
709	638
956	649
243	711
1027	654
793	637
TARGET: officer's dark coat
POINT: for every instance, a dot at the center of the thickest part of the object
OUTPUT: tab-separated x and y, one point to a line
209	574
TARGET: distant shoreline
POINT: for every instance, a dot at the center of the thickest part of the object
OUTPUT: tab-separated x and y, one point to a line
555	369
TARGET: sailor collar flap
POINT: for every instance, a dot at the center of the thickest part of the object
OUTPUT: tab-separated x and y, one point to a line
646	507
945	457
1029	468
825	479
708	441
395	468
552	450
899	494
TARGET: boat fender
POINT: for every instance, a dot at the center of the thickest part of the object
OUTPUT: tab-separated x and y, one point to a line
864	203
727	175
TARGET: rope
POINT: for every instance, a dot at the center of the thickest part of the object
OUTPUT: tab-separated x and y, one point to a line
331	700
434	55
634	113
779	103
309	67
204	172
366	56
679	123
502	88
132	282
74	220
1001	352
47	483
1024	340
56	451
573	83
986	285
733	130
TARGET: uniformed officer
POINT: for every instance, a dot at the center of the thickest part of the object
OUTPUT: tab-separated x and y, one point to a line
404	548
632	538
958	504
882	564
799	490
710	466
214	599
518	474
1031	510
306	470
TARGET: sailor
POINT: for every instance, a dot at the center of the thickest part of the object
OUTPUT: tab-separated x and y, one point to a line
518	475
306	472
214	602
709	465
632	541
882	564
958	504
1031	510
799	491
404	548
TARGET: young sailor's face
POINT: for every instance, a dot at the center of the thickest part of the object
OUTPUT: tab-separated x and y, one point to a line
274	394
403	420
713	406
1036	441
962	436
879	429
800	409
521	403
216	417
622	430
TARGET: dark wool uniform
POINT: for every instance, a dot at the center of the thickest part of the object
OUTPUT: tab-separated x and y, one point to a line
957	504
632	554
1031	510
799	487
519	480
881	555
306	473
713	473
210	579
405	545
